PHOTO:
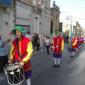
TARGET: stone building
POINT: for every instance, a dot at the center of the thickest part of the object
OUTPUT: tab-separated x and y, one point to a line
42	16
24	14
33	15
6	17
55	14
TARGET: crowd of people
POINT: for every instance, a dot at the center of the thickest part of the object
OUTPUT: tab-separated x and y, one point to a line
22	47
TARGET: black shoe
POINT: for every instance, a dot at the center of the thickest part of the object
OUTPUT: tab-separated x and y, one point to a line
58	66
71	56
54	65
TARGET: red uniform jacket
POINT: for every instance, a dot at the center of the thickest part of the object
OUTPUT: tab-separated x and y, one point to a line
58	44
25	51
75	43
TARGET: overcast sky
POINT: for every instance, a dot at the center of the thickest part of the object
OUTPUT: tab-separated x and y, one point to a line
74	8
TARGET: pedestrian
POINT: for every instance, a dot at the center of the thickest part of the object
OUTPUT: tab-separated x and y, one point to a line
28	35
36	41
1	55
21	52
58	46
44	37
69	45
81	41
4	50
84	39
75	44
47	44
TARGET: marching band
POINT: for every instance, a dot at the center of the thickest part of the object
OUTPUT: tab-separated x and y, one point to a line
19	64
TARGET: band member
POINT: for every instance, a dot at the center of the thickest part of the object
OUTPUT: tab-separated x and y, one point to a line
21	52
74	45
81	41
58	46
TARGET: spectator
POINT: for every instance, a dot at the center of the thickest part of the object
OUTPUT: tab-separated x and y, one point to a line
47	44
4	50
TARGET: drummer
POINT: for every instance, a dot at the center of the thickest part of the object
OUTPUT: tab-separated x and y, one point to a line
21	51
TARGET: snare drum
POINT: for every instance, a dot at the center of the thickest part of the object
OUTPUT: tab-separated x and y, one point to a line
14	74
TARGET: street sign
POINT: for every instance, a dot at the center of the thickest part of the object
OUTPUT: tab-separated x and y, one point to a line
6	3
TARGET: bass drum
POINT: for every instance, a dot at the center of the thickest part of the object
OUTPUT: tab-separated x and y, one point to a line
14	74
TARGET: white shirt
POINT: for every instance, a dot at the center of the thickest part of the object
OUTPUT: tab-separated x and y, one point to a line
47	41
28	36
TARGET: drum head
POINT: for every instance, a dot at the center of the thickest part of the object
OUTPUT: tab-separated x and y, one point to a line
15	74
12	67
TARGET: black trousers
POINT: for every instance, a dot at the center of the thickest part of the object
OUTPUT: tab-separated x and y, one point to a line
3	62
47	48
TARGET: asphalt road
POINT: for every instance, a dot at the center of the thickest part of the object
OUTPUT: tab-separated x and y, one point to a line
72	71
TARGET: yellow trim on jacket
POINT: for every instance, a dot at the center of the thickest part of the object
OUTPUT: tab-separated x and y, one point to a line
29	52
74	43
11	52
62	45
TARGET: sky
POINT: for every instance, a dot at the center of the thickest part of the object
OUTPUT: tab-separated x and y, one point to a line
73	8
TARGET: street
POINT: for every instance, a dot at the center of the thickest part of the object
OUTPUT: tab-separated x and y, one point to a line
24	23
72	71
